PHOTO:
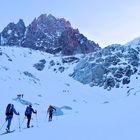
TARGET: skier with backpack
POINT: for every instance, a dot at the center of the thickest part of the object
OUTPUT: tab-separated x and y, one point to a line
10	110
50	111
28	113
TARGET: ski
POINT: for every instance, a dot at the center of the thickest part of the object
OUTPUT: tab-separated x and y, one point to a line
28	127
7	132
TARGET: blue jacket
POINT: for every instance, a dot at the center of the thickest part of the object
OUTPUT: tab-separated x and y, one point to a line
15	111
29	110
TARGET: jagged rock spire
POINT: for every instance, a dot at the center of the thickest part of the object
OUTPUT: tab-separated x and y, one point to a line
47	33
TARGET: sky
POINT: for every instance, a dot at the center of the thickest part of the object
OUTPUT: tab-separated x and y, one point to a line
103	21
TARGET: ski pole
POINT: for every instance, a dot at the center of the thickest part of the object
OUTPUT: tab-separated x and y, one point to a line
23	121
19	122
46	117
36	120
3	125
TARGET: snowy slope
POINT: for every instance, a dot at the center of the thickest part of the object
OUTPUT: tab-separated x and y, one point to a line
135	41
83	112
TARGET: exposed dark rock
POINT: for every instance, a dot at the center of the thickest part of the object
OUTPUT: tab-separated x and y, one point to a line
30	75
70	59
52	63
9	59
126	80
110	82
61	69
40	66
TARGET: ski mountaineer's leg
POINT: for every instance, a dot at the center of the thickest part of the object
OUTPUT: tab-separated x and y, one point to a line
28	122
9	119
50	116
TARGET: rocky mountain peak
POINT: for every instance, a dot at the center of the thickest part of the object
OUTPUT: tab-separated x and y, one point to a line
49	24
47	33
12	34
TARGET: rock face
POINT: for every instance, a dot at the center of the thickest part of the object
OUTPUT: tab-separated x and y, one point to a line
110	67
13	34
72	42
49	34
40	65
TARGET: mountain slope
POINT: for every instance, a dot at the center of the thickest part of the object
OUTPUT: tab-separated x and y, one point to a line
135	42
82	112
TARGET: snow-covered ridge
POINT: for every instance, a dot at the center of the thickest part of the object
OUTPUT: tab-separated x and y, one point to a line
135	42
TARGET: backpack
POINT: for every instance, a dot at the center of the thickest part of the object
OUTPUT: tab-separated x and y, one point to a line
9	110
28	111
50	109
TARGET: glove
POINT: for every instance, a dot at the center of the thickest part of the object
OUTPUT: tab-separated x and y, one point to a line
18	113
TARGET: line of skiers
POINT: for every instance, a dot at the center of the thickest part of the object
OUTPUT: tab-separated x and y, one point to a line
10	110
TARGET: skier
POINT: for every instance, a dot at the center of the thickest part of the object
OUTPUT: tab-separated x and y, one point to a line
50	111
28	113
9	115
